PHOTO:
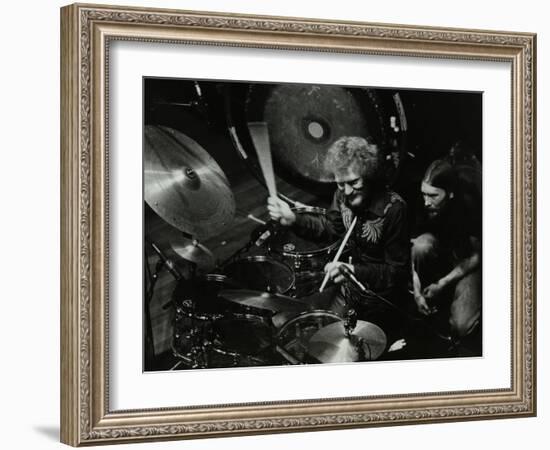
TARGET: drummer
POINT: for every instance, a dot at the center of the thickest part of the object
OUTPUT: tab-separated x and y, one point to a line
379	243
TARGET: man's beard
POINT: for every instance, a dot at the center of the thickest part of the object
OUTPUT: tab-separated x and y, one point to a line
433	213
438	216
356	201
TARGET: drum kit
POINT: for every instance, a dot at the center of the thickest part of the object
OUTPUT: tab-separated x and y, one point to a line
250	310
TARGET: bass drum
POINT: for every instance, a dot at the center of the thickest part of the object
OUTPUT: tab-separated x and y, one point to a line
304	120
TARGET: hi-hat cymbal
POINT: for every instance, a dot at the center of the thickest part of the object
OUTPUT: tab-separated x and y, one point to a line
273	303
193	251
184	185
331	344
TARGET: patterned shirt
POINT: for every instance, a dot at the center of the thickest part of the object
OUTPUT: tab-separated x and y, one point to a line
379	244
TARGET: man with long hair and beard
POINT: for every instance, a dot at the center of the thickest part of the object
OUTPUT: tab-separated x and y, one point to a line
446	257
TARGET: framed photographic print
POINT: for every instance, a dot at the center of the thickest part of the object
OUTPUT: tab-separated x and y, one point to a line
276	225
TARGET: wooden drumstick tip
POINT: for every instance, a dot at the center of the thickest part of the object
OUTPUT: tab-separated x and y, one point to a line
255	219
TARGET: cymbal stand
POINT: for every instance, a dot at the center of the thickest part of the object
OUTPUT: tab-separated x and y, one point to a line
350	322
152	278
245	248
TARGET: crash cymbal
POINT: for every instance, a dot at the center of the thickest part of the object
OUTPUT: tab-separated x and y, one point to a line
193	251
331	344
184	185
273	303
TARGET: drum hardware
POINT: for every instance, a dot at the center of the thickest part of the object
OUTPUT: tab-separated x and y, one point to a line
197	102
236	255
201	316
258	237
236	357
219	355
287	356
193	343
170	265
193	334
262	234
198	355
184	185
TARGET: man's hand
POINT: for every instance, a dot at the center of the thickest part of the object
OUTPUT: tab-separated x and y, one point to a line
433	290
280	211
335	272
422	306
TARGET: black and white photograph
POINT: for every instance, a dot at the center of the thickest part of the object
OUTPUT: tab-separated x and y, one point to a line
289	224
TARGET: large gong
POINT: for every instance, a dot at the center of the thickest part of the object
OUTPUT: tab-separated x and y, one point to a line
304	120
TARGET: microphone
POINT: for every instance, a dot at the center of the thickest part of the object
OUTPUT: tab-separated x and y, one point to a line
349	275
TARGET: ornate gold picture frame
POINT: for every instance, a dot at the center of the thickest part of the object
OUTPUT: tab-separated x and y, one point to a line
87	33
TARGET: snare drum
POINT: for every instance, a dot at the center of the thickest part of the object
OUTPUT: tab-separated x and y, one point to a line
294	335
261	273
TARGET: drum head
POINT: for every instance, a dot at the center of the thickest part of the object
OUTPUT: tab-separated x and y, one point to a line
261	273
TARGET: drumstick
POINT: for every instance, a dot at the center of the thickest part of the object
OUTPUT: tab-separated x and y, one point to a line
260	138
255	219
339	252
